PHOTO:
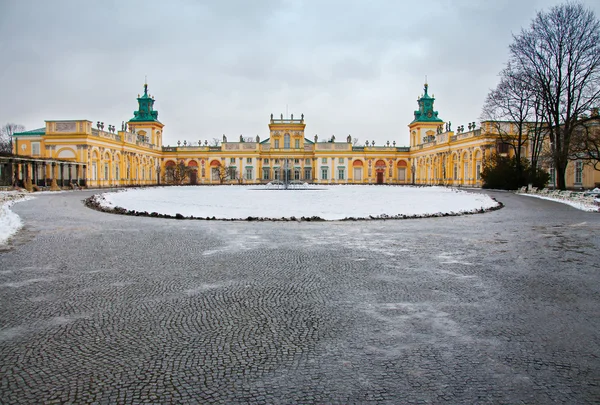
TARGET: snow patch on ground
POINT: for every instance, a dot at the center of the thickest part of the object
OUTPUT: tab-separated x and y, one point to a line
328	203
574	204
10	222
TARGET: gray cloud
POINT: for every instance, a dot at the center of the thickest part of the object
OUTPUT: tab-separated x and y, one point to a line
352	67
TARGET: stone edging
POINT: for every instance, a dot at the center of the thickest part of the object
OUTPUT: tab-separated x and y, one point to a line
95	202
8	197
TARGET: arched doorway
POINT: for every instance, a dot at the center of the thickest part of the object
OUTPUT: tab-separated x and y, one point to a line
169	171
358	171
215	170
193	165
402	165
380	171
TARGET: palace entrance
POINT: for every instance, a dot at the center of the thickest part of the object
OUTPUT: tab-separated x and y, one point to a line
193	166
380	171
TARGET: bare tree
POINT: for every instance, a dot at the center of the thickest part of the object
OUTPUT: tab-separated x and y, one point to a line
508	107
215	142
515	114
559	57
225	173
6	134
178	173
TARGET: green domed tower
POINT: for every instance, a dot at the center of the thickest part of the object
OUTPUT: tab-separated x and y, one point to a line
425	113
145	121
426	123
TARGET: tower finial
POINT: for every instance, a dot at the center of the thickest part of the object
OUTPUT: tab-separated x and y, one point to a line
426	86
145	85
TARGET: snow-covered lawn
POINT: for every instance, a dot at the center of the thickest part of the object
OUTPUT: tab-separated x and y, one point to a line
327	202
10	222
574	204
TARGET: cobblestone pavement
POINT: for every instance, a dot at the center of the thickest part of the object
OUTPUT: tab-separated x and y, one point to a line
502	307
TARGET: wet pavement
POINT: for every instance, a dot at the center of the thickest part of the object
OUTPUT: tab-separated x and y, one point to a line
501	307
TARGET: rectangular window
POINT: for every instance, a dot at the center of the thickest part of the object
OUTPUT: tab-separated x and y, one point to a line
297	143
286	141
297	161
232	160
341	174
276	174
296	174
105	171
341	160
324	160
578	172
117	171
94	171
249	160
324	173
276	143
265	171
266	161
232	173
455	171
307	161
307	173
248	173
276	161
35	148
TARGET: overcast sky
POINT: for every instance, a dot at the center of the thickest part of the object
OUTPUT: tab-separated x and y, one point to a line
223	66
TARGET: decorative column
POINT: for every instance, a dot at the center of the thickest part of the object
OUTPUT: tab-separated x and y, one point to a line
27	178
54	184
15	174
34	174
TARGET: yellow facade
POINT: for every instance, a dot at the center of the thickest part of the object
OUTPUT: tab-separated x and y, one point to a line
134	155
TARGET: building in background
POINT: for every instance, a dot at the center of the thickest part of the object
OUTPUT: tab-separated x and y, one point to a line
98	155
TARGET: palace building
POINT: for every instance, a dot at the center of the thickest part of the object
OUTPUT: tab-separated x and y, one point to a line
94	155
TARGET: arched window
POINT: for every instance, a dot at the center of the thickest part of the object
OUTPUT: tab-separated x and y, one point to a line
286	141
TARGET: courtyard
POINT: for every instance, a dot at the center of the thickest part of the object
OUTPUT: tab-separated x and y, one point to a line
499	307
